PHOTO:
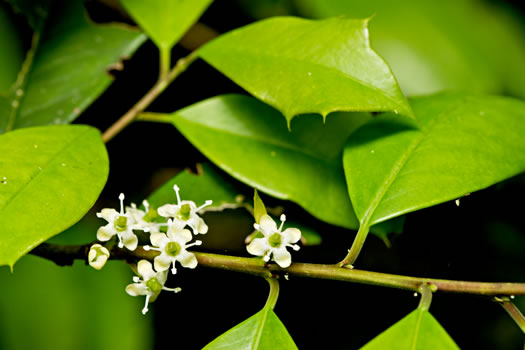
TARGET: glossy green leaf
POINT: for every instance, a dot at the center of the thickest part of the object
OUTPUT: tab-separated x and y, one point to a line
12	48
250	141
431	45
259	209
262	331
419	330
300	66
165	21
49	178
49	307
66	68
209	185
466	143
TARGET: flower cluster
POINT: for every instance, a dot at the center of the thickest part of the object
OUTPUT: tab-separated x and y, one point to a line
167	233
171	229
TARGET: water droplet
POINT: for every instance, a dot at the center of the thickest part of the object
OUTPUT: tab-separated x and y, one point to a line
63	164
36	146
457	202
14	103
396	111
19	92
40	168
4	180
482	113
309	74
372	151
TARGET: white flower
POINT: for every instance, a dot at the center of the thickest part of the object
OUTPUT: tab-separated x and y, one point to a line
150	285
273	244
120	224
97	256
185	213
172	248
142	218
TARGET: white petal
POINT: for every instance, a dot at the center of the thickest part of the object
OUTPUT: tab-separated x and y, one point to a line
282	257
198	224
158	238
109	214
259	246
168	210
130	241
135	289
145	270
187	259
162	262
162	276
267	225
105	233
291	235
182	237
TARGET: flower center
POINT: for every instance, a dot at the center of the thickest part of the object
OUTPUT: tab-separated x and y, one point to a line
154	285
121	223
172	248
275	240
150	215
184	212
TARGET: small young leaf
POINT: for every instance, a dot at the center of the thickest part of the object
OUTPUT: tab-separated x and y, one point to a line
259	209
49	178
262	331
300	66
466	143
165	21
62	74
419	330
249	140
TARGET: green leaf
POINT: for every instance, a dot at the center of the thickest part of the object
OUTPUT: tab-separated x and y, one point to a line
431	46
49	307
418	330
300	66
250	141
466	143
262	331
209	184
165	21
12	49
259	209
49	178
66	67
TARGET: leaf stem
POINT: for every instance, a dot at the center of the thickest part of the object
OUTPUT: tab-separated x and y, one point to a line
165	62
274	292
64	254
513	312
146	100
426	296
354	251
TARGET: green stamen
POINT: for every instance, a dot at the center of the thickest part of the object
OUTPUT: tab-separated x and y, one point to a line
121	223
154	285
184	212
275	240
172	248
150	215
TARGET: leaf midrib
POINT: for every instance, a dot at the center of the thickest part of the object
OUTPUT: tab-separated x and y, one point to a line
402	162
260	328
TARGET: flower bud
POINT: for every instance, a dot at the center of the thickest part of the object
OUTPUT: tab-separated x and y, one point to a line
98	255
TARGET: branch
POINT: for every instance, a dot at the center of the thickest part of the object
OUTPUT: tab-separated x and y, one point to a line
151	95
62	254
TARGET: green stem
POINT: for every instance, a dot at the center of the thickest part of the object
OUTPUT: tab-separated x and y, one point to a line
274	292
155	117
165	62
354	251
426	296
513	312
257	267
151	95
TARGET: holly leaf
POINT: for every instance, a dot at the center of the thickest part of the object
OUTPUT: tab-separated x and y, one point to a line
65	69
301	66
50	176
465	143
